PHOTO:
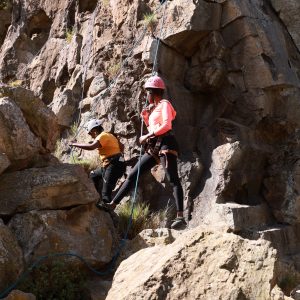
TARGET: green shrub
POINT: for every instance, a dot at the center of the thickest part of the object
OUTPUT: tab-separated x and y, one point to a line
113	70
150	21
5	4
105	3
87	164
69	35
15	83
55	280
288	283
142	218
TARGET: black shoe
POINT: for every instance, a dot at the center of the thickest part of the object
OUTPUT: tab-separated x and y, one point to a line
178	223
102	206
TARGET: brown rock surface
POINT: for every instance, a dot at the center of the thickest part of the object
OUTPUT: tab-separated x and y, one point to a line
41	120
14	129
11	257
56	187
200	264
232	71
83	230
19	295
289	13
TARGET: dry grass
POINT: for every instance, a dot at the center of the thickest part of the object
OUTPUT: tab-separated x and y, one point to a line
15	83
106	3
5	4
69	35
150	21
142	218
113	70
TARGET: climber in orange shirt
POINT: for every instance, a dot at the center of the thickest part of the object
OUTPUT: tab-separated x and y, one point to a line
113	165
160	146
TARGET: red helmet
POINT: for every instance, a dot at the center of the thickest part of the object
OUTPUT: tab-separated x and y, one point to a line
155	82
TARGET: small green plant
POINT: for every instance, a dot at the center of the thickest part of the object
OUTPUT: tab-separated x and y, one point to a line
142	218
87	164
55	280
69	35
105	3
150	21
5	4
15	83
59	147
288	283
113	70
73	129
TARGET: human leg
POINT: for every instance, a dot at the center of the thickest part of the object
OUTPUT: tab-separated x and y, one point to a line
96	176
112	173
169	162
146	163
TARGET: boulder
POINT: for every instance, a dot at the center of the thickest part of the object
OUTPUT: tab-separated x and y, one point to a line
19	295
216	265
185	25
41	120
281	190
289	13
14	128
5	19
54	187
66	99
4	162
98	85
83	230
11	262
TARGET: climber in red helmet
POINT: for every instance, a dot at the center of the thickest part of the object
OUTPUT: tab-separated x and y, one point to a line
160	146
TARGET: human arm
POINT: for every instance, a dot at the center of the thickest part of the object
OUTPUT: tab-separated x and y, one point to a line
146	113
94	145
144	137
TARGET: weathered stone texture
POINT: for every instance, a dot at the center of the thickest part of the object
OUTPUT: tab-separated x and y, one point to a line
11	257
56	187
83	230
216	265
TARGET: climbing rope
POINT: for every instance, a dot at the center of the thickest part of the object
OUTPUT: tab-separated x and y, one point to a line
90	44
133	201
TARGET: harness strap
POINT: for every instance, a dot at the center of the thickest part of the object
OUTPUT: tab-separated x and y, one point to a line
109	159
165	152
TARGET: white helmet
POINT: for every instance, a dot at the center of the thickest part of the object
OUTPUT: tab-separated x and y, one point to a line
92	124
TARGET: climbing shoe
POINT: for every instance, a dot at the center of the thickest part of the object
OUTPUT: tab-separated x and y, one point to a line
103	206
178	223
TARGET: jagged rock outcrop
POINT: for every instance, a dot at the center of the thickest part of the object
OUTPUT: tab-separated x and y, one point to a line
19	295
11	262
83	230
25	118
232	73
200	264
289	13
56	187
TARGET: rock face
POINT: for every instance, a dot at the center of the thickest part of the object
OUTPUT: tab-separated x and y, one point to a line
56	187
83	230
24	117
288	13
18	295
11	263
215	265
232	70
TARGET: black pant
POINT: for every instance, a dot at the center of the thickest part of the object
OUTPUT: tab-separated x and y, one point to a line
146	163
105	179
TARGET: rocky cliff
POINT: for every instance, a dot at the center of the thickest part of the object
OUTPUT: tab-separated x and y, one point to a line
232	70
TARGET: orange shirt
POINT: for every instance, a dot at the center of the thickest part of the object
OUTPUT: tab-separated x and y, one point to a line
109	145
